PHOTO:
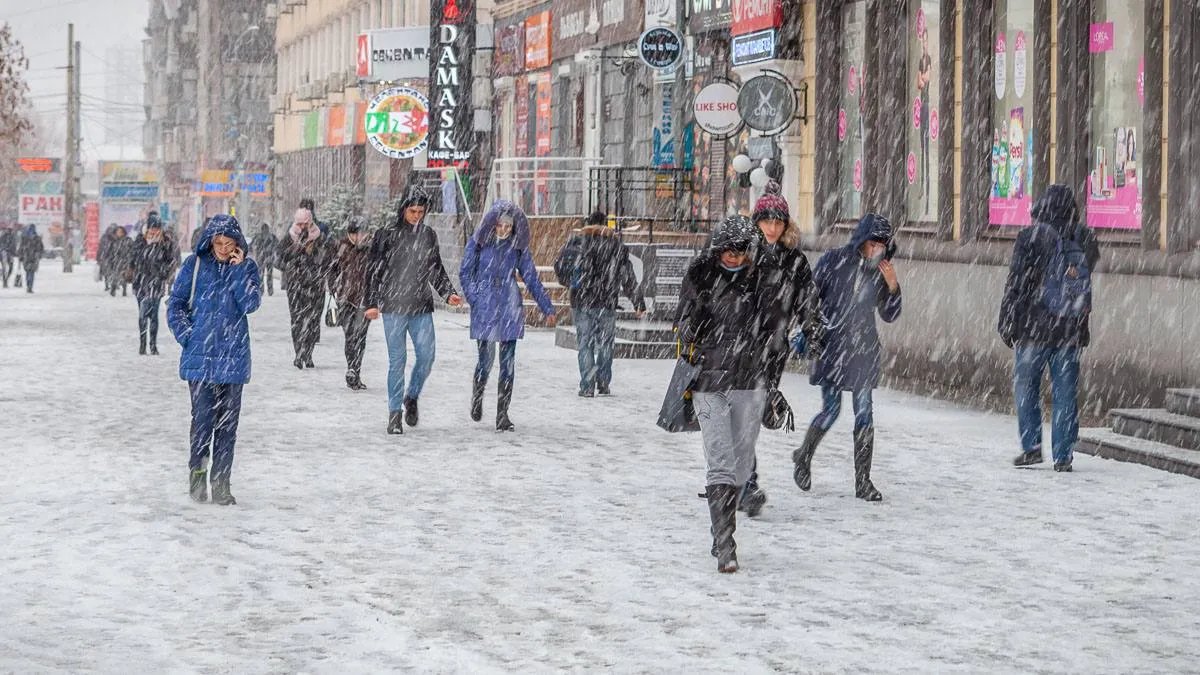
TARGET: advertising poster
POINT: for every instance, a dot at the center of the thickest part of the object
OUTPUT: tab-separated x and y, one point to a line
1114	199
1011	202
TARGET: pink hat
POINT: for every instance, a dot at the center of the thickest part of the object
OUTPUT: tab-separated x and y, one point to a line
771	205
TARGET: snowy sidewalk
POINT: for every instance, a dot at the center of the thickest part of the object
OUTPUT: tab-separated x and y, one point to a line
577	543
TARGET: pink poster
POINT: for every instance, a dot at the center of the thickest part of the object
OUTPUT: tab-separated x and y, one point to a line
1100	38
1010	201
1114	198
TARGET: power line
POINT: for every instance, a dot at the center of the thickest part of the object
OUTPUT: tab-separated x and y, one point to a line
56	5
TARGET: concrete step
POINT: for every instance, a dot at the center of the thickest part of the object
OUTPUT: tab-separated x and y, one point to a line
564	336
1156	424
1184	402
645	331
558	293
535	319
1108	444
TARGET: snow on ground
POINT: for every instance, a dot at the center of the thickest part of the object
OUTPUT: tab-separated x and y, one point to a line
577	543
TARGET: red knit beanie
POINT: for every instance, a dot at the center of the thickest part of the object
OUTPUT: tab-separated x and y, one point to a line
771	205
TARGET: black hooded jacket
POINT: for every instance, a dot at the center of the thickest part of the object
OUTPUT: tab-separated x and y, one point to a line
594	265
404	264
152	264
1023	316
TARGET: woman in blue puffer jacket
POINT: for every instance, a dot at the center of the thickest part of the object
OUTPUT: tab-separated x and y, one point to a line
215	290
497	252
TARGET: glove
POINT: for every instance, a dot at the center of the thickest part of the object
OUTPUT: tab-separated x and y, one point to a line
1007	337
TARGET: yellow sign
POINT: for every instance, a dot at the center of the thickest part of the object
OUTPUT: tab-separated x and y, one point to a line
128	172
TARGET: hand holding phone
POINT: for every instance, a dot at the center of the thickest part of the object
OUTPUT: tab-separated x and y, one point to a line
237	256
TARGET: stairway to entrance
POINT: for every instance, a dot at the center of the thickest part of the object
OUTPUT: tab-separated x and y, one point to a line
1163	438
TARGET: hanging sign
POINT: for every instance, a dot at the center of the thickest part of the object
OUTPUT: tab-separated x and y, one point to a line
755	15
753	47
767	103
397	122
452	36
715	109
661	48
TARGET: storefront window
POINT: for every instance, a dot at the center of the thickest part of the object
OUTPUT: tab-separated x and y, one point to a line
1013	117
852	113
922	164
1117	47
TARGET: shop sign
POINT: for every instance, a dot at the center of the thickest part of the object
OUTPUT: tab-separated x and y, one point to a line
128	172
537	41
767	103
715	109
544	115
709	15
392	54
753	47
452	135
661	13
38	164
754	15
225	183
663	142
44	210
510	50
661	48
397	122
129	193
1101	38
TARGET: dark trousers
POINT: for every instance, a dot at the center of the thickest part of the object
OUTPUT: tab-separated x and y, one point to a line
148	320
306	321
487	356
6	267
266	275
216	409
355	326
29	274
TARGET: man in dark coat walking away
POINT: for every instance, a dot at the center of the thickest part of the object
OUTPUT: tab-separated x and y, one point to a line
263	249
8	252
595	266
30	252
120	253
853	283
306	253
405	262
349	282
722	330
104	255
1044	317
151	266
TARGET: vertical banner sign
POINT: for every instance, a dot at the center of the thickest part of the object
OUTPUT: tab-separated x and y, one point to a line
452	36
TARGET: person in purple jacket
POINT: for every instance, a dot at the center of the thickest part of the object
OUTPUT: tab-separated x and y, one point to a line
497	252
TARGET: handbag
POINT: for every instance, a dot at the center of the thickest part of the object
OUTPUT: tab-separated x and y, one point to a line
777	414
678	412
331	314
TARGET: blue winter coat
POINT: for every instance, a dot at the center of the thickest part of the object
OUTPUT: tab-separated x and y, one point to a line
488	277
214	332
850	294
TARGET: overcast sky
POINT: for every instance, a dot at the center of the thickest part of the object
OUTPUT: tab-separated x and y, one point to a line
41	26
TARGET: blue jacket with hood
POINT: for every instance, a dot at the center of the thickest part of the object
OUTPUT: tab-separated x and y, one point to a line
850	293
213	330
489	281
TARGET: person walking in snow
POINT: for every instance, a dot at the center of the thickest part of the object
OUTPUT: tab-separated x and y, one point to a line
853	284
120	253
349	285
306	253
788	297
103	255
30	252
8	251
151	265
496	254
595	266
263	250
722	330
214	292
1044	318
404	263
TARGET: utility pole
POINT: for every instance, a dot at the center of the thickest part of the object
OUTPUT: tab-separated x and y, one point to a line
71	156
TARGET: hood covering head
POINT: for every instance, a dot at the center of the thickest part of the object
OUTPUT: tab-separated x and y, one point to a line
486	232
153	220
221	224
736	233
31	230
1056	206
771	205
596	218
415	196
874	227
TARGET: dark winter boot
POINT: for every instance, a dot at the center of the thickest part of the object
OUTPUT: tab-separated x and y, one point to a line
198	485
1029	458
802	458
722	509
220	492
352	379
153	343
864	449
477	387
142	346
504	397
308	362
410	412
753	499
396	422
602	389
299	363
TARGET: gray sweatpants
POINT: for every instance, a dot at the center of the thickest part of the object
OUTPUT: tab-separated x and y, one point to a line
729	425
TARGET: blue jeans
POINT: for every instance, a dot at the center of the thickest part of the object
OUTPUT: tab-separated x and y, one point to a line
487	356
148	319
832	407
418	328
216	409
596	330
1027	390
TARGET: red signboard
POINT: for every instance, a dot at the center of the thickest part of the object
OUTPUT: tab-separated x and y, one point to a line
362	55
754	15
38	164
91	240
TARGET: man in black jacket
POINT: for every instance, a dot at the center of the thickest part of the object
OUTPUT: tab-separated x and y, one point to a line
151	266
30	251
595	266
404	263
1044	316
8	252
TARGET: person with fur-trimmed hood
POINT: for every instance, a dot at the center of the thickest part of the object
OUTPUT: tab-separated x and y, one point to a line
722	329
595	266
348	281
306	253
404	264
496	254
789	299
853	283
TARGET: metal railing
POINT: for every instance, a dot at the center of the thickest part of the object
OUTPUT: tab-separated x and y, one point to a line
544	186
649	197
